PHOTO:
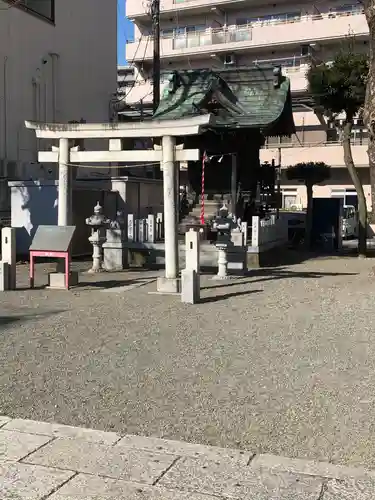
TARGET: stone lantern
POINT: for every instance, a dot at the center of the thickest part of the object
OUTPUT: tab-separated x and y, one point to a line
98	223
224	224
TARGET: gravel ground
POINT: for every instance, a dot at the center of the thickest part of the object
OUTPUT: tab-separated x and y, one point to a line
281	362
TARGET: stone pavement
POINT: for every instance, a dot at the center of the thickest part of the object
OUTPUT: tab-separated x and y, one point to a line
40	461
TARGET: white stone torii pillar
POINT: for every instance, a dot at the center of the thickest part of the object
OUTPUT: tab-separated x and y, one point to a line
170	283
65	198
168	130
63	209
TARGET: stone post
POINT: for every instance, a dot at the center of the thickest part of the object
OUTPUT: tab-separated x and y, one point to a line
170	283
151	232
244	229
141	230
159	226
131	227
234	184
255	230
192	256
8	254
222	262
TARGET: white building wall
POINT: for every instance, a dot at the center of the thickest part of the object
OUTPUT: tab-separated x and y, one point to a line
83	72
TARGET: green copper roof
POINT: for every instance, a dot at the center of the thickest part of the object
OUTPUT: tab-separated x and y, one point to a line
253	97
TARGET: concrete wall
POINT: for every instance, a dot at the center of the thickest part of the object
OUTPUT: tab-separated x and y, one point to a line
268	233
35	203
138	196
82	76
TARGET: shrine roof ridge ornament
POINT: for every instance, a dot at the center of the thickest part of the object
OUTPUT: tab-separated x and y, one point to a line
155	128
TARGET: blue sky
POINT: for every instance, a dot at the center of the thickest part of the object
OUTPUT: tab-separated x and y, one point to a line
125	31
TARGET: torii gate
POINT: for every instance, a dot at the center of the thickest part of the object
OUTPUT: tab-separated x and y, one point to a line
168	155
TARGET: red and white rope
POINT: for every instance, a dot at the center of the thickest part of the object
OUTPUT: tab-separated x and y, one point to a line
202	187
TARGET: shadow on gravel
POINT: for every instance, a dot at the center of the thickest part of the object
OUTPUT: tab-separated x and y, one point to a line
276	274
9	320
206	300
103	284
107	284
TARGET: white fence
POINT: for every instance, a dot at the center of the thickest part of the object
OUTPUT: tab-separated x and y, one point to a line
268	233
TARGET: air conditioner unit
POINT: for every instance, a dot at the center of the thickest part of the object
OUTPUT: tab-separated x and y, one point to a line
229	60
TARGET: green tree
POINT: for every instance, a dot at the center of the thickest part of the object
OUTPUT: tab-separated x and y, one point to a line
310	174
340	88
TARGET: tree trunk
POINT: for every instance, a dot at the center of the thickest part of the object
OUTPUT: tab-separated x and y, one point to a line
362	208
369	111
309	215
371	163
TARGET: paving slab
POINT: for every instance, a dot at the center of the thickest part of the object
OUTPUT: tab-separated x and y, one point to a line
84	487
239	482
63	431
92	458
30	482
185	449
4	420
350	489
16	445
309	467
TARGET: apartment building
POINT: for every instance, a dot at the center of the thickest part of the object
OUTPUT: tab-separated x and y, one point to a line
125	80
58	62
201	34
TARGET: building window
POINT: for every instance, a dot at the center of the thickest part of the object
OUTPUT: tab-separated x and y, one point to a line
43	8
289	198
349	9
348	195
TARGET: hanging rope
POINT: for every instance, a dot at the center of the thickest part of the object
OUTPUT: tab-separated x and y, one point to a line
202	187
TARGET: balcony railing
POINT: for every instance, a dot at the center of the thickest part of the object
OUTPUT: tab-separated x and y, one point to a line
286	145
331	153
295	17
212	37
240	33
